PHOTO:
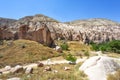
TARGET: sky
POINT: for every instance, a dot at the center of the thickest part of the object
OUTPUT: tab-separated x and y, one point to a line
61	10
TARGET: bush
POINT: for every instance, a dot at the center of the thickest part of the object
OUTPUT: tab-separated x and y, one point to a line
64	46
112	46
71	58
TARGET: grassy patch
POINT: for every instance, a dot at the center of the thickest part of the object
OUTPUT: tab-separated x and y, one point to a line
77	46
39	74
24	51
115	76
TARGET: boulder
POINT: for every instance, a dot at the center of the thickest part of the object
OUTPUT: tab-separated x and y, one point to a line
33	65
40	64
48	68
66	68
15	78
58	49
7	68
29	70
6	72
17	69
98	67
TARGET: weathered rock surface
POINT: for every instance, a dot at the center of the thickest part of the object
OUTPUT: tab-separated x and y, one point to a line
45	30
98	67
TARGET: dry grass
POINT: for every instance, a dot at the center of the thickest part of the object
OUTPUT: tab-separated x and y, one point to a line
74	45
39	74
115	55
24	51
115	76
77	48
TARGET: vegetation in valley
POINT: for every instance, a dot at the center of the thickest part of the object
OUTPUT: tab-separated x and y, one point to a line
112	46
71	58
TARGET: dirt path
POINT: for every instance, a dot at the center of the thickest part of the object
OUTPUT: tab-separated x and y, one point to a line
53	62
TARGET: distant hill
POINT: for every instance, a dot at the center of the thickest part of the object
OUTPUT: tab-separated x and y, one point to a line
38	17
94	22
45	30
6	21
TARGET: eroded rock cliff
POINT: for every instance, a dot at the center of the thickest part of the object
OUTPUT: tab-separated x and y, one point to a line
45	30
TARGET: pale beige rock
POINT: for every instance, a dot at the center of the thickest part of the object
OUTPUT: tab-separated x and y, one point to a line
67	68
98	67
48	68
29	70
16	69
15	78
58	49
6	72
45	30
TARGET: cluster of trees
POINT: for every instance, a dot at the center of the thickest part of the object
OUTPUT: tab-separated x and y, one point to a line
112	46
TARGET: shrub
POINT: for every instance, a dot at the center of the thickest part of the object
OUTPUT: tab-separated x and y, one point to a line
71	58
64	46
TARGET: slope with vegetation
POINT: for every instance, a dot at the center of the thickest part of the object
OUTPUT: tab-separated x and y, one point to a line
24	51
57	73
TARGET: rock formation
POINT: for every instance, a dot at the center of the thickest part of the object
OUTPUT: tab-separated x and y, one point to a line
45	30
98	67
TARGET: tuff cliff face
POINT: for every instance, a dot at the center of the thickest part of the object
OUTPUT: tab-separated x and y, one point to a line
96	30
45	30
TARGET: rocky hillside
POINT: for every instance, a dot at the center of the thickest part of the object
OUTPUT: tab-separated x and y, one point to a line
45	30
6	21
93	22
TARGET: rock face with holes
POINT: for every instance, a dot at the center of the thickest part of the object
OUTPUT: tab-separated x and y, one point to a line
98	67
45	30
